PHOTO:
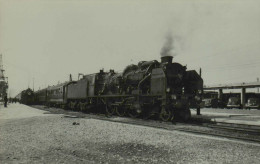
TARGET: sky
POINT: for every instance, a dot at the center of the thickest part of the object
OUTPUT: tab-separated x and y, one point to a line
43	41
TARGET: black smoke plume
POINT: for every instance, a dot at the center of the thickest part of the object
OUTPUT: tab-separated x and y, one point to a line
171	46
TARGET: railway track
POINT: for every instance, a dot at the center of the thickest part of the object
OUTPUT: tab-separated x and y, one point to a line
248	129
225	130
171	127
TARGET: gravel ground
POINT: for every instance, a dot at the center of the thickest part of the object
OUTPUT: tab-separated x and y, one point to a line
192	125
232	111
47	138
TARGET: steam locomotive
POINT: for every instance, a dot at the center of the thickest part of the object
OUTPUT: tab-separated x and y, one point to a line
27	97
150	88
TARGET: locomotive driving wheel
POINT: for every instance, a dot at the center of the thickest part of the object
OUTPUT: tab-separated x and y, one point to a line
166	115
120	111
110	110
132	108
134	113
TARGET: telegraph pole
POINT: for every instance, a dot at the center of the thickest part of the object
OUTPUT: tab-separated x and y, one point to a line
3	83
33	83
257	81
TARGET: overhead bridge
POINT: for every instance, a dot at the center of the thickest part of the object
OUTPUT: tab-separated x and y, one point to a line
242	86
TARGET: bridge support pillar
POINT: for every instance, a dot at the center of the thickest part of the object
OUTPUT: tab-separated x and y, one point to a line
220	94
243	97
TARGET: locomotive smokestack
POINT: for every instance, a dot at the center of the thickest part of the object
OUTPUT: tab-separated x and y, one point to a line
165	59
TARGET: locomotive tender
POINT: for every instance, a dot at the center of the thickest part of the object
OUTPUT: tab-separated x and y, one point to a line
164	89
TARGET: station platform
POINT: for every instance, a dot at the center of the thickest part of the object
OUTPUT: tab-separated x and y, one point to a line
234	116
18	111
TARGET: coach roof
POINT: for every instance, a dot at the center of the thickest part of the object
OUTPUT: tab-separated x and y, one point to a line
60	85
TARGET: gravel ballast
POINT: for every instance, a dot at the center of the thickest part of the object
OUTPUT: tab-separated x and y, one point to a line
57	139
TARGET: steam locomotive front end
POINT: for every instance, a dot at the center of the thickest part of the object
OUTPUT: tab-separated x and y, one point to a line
179	88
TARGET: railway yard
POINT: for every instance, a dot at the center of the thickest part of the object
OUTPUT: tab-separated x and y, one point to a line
39	134
130	82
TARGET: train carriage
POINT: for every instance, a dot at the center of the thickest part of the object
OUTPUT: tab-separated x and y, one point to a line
41	96
57	95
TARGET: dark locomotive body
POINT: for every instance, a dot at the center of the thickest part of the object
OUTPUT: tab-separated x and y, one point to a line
163	88
151	87
27	97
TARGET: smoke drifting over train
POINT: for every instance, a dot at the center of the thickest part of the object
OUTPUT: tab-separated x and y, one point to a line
172	45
